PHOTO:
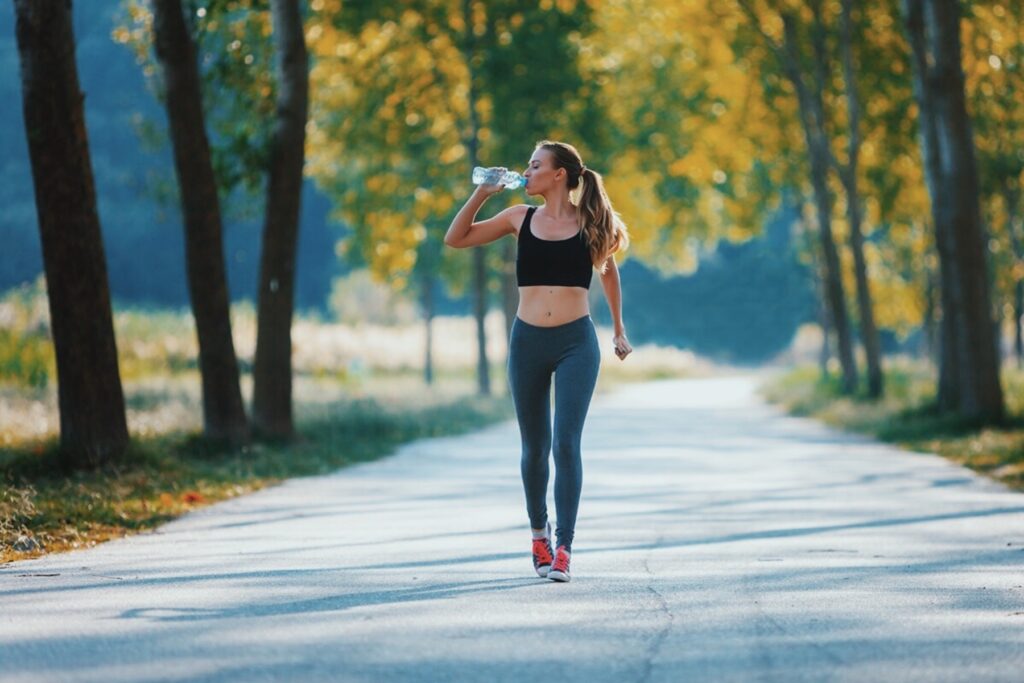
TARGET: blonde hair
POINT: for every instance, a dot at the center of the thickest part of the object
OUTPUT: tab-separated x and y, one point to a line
603	229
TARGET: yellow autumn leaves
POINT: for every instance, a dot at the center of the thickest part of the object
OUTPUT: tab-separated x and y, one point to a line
699	130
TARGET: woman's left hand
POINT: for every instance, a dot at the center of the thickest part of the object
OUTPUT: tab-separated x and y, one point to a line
622	347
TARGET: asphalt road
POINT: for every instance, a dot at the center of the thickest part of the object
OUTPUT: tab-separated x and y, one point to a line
718	540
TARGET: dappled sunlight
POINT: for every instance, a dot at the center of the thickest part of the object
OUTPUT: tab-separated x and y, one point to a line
707	547
805	465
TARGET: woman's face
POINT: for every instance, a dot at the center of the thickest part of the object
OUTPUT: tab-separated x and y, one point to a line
541	174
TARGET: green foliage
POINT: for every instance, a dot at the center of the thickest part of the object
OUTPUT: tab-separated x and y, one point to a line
26	352
239	90
392	131
236	68
679	102
25	360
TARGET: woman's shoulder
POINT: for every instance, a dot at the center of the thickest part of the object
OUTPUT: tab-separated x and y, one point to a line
517	214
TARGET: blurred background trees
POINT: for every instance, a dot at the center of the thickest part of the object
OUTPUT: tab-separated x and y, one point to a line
779	163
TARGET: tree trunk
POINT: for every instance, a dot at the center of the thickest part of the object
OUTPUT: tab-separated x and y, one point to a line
223	410
948	399
868	329
93	429
483	370
948	144
1018	312
1011	195
929	336
479	253
272	369
996	319
825	353
427	293
812	119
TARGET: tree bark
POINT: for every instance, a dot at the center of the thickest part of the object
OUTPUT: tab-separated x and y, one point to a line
930	342
825	353
223	409
948	145
1018	312
272	369
811	110
848	175
479	253
93	428
483	370
1011	195
427	294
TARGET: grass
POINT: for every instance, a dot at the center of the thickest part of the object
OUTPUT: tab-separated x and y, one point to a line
170	470
907	416
358	393
165	476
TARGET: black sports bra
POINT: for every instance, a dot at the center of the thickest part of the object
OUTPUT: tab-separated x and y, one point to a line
552	262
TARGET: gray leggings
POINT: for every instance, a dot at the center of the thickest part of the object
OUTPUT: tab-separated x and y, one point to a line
571	353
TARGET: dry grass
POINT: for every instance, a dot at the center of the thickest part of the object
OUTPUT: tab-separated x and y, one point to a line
164	476
358	392
161	383
907	416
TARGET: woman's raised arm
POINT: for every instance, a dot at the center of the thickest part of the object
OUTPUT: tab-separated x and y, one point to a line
463	232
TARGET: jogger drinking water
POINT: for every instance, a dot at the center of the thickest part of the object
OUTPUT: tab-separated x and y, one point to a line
559	245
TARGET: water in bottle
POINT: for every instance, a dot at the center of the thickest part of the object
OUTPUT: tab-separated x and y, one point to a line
492	176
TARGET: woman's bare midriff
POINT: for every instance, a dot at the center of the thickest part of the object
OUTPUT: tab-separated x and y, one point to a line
551	305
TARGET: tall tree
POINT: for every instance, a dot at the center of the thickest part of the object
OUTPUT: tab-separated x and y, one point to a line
410	96
223	410
272	370
849	175
993	44
810	93
1012	202
426	268
93	428
386	141
468	44
969	369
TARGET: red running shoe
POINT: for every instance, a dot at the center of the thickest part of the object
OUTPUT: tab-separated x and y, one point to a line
542	553
560	569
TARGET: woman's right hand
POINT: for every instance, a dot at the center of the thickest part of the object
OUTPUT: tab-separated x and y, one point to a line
489	190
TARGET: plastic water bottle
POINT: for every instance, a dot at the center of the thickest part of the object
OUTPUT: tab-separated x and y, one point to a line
492	176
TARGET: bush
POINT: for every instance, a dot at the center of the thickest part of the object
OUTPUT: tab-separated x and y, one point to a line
26	353
25	359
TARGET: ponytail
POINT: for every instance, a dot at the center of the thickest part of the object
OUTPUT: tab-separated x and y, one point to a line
603	229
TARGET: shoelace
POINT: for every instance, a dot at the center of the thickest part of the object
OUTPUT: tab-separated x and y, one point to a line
561	561
540	551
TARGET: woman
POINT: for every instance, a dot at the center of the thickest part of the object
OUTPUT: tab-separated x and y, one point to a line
560	243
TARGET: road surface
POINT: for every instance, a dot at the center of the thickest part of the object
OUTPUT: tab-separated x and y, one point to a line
718	540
